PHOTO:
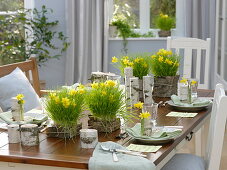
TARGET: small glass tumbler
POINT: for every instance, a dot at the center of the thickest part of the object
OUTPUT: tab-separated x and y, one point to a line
194	88
153	110
116	78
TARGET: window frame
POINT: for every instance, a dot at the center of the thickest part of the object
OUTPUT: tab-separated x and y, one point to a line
145	17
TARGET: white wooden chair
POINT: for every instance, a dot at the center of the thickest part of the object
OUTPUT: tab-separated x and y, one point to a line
188	45
215	139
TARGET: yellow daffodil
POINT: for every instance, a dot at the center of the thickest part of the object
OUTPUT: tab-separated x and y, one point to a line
57	99
72	92
125	57
104	93
137	60
193	82
125	61
74	104
183	80
138	105
20	97
165	16
110	83
168	61
170	52
22	101
65	102
145	65
160	59
144	115
81	86
114	59
94	85
153	56
81	91
130	64
102	84
52	95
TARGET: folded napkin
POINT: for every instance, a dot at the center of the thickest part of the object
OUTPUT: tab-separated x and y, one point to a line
33	116
162	134
143	148
181	114
102	160
197	102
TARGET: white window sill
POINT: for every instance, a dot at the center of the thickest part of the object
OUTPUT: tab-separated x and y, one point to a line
140	38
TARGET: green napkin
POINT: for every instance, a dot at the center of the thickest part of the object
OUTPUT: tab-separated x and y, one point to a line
143	148
181	114
102	160
161	135
197	102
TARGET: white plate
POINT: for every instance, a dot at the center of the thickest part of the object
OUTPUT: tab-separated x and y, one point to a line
188	108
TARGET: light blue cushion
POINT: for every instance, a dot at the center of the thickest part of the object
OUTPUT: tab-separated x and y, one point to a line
185	162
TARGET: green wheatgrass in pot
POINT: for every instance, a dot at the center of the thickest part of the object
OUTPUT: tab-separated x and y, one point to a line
106	101
65	106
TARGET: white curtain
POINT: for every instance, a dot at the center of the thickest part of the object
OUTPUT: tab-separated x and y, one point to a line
87	29
200	23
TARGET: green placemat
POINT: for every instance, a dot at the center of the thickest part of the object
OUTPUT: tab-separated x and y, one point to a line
143	148
181	114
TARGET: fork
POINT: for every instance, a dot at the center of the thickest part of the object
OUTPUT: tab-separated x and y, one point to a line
115	158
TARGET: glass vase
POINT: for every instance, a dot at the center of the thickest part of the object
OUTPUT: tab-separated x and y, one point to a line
142	130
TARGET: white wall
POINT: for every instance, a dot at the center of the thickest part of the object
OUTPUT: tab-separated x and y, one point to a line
54	70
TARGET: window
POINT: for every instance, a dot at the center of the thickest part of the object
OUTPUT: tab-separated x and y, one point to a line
11	5
12	31
141	14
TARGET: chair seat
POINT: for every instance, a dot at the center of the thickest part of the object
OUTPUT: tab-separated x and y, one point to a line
185	162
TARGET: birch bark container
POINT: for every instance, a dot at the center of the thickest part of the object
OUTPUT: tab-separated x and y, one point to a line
15	107
14	133
128	71
148	83
29	135
88	138
134	90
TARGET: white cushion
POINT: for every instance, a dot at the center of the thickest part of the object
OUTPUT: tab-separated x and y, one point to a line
185	162
15	83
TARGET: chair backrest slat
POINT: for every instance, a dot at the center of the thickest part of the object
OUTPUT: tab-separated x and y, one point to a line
188	45
216	129
26	66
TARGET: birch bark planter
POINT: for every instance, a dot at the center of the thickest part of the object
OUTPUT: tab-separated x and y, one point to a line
14	133
29	134
165	86
60	132
88	138
104	126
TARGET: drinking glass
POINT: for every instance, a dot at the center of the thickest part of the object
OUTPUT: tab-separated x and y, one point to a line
153	110
194	88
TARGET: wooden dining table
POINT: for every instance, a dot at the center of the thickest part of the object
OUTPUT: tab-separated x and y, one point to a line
57	152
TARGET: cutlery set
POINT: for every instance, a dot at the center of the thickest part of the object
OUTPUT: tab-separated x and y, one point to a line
115	151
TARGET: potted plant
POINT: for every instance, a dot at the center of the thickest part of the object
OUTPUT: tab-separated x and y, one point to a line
164	23
164	66
106	101
65	107
139	63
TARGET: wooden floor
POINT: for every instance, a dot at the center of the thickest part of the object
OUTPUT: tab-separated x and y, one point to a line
190	148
